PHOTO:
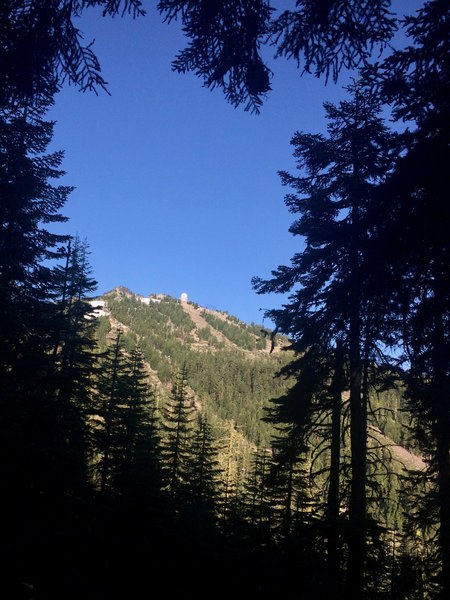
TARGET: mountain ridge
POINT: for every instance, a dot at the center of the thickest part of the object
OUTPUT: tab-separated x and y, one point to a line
196	313
231	366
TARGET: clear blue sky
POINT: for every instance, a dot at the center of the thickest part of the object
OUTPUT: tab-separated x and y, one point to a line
177	191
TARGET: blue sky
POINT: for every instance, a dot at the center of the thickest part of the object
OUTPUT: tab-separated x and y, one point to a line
177	191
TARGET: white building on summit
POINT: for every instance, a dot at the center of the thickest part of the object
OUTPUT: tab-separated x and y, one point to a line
147	300
184	297
99	308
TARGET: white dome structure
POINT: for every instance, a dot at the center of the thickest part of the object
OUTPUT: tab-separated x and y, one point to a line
184	297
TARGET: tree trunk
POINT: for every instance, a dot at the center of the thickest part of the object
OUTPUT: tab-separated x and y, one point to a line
443	449
333	492
358	437
442	416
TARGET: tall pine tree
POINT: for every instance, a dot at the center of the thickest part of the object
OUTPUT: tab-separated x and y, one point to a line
416	83
178	437
333	298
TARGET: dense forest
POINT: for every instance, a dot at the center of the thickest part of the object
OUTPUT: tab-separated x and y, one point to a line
167	446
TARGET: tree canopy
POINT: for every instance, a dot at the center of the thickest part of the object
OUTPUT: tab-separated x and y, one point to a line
41	48
226	40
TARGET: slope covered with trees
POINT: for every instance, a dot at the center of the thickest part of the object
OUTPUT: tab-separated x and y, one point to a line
233	381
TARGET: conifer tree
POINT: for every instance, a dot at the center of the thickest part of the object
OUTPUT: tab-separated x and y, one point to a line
336	299
28	202
416	83
288	482
139	443
107	433
72	344
42	47
126	441
308	456
68	381
35	417
226	40
146	473
203	471
258	500
177	441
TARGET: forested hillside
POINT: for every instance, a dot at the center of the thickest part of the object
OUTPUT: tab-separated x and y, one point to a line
229	367
233	369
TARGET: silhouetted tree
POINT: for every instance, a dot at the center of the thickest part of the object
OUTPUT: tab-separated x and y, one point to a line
68	381
226	39
416	82
146	472
334	492
203	472
307	452
258	500
41	47
177	439
108	425
126	440
31	414
287	481
28	203
336	300
139	442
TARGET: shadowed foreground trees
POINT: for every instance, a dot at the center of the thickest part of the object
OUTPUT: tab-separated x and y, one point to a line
179	432
333	300
29	202
416	82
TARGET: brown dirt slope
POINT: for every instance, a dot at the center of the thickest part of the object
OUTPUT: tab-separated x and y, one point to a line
408	459
200	322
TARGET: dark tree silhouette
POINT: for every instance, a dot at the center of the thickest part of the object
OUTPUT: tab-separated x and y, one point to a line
336	300
28	202
30	302
108	425
309	417
226	39
41	48
203	473
67	383
258	500
138	470
177	442
125	448
416	82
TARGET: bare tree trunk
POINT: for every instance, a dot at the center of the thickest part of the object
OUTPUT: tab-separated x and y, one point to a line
441	399
358	437
333	558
